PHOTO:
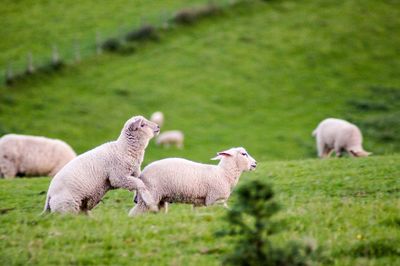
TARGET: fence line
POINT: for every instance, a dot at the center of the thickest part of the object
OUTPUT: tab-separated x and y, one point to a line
92	46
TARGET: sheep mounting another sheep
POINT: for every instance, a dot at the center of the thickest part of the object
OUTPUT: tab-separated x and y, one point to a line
22	155
179	180
338	135
83	182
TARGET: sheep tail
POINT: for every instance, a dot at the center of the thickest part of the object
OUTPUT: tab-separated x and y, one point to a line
314	133
144	194
46	206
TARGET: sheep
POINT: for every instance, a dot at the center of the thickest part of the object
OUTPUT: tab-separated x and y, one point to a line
23	155
338	135
158	118
172	137
179	180
83	182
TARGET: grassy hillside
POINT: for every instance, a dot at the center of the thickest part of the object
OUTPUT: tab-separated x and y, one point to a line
35	26
350	207
262	75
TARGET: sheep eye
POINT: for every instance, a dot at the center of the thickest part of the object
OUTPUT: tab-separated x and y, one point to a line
142	125
244	154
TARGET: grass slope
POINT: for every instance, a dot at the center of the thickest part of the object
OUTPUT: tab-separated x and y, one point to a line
260	76
35	26
349	206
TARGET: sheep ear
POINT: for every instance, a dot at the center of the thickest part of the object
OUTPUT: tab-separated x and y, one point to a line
135	125
222	154
225	153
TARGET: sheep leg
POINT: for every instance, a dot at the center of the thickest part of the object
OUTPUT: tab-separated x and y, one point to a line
323	150
211	199
326	152
163	205
126	182
338	151
8	170
64	205
223	202
139	209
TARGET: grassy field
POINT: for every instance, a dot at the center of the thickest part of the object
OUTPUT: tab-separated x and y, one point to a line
350	207
35	26
260	75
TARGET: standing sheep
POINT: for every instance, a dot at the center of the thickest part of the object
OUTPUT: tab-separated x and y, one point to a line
83	182
338	135
172	137
22	155
184	181
158	118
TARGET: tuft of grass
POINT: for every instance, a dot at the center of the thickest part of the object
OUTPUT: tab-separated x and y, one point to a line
376	248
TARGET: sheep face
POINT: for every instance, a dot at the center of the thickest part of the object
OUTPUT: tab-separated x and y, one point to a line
240	156
139	126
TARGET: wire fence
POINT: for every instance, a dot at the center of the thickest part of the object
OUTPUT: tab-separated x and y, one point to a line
60	56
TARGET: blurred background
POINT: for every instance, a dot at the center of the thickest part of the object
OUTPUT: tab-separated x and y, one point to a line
257	74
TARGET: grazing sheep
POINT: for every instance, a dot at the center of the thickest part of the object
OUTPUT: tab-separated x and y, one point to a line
158	118
338	135
173	137
183	181
22	155
83	182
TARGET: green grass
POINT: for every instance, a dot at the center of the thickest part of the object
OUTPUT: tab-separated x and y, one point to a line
35	26
349	206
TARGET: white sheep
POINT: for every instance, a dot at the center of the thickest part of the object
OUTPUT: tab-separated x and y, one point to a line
338	135
158	118
179	180
172	137
23	155
83	182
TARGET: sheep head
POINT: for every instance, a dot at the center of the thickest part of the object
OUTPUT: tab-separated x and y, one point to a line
240	156
139	127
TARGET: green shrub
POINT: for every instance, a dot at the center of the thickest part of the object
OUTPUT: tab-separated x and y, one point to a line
146	32
251	227
111	45
190	15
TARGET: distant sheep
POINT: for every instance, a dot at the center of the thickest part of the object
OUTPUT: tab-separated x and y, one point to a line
158	118
83	182
22	155
173	137
338	135
183	181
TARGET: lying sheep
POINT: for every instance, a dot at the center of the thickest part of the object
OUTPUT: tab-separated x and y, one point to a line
83	182
338	135
183	181
22	155
173	137
158	118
